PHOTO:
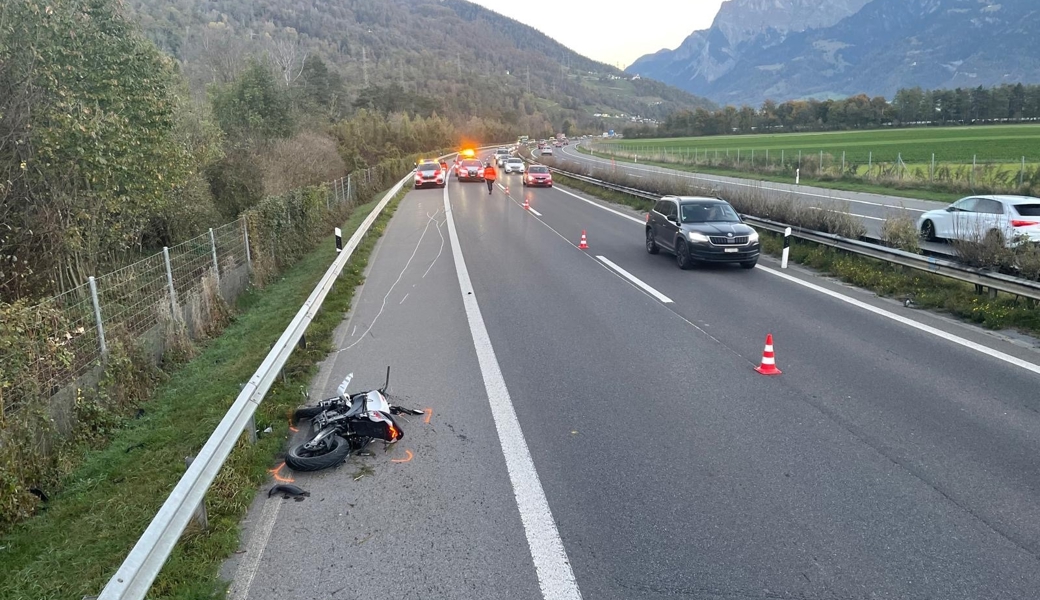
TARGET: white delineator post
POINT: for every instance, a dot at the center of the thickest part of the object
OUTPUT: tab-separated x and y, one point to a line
797	176
787	248
339	240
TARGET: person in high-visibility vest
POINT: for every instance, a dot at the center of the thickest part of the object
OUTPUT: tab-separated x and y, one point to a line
490	175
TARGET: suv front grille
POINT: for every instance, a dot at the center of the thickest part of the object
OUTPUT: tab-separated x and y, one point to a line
728	241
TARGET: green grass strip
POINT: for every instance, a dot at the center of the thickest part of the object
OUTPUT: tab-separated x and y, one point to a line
847	185
77	543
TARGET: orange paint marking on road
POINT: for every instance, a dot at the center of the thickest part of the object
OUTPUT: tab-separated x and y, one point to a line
277	477
403	460
429	413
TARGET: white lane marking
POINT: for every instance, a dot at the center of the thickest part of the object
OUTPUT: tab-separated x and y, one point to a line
251	563
388	292
639	282
403	299
536	213
850	214
597	205
921	326
673	172
997	354
551	564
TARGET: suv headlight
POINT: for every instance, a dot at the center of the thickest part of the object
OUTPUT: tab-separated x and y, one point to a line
697	237
753	237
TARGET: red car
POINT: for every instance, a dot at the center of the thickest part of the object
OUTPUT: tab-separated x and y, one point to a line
538	175
429	172
471	169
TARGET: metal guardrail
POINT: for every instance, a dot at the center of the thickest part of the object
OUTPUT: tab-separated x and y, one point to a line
938	266
140	568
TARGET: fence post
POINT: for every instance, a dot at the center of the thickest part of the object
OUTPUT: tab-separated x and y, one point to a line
1022	173
974	160
213	247
842	162
782	165
870	162
931	174
97	315
169	281
245	236
821	162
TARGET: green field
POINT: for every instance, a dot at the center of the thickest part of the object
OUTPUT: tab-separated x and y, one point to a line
1000	144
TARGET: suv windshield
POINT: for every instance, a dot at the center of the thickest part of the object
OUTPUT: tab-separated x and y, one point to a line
538	169
424	167
708	212
472	163
514	160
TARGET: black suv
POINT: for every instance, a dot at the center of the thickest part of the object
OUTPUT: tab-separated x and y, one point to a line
700	229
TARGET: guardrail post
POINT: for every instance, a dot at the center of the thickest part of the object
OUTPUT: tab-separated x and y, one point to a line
213	248
245	236
169	281
97	315
201	517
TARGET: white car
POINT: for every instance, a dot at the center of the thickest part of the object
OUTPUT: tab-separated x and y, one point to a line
514	165
546	150
1011	219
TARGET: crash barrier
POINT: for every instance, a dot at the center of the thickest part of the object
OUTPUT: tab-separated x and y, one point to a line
981	278
149	554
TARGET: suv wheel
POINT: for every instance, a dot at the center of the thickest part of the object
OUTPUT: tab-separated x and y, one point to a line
682	256
651	243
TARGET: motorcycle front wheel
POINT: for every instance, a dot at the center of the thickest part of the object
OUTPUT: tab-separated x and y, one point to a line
332	451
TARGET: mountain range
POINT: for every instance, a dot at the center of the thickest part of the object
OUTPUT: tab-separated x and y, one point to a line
460	59
794	49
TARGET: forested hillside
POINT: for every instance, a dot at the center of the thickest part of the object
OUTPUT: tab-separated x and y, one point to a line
450	57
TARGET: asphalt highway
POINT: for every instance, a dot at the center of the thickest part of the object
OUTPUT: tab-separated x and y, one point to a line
870	209
894	458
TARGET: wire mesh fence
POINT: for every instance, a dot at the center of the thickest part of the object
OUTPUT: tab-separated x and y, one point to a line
62	338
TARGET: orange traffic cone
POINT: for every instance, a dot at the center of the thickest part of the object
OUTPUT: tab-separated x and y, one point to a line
527	204
584	245
768	366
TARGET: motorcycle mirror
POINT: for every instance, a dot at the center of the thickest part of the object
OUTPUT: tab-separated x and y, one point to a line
342	389
386	385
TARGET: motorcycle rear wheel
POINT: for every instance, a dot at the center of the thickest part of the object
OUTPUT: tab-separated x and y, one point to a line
332	453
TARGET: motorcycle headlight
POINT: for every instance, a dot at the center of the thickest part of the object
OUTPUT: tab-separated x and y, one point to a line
697	237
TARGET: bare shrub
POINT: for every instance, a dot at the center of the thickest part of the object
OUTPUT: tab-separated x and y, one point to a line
306	159
900	231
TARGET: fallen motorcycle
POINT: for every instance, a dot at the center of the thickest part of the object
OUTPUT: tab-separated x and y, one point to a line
345	423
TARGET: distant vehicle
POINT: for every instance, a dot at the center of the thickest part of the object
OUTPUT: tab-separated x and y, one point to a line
429	172
558	144
501	154
514	165
700	229
538	175
1007	220
471	169
547	151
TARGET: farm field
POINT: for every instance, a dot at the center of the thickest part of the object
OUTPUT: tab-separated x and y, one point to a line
998	144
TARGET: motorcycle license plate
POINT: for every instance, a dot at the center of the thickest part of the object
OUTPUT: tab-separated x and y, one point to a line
732	250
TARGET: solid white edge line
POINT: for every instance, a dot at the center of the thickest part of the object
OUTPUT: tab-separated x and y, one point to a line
1018	362
555	576
639	282
255	551
997	354
598	205
536	213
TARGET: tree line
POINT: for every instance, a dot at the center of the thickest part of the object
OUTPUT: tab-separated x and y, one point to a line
909	106
109	150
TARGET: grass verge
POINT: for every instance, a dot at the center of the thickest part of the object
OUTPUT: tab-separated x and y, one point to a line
844	185
76	544
926	290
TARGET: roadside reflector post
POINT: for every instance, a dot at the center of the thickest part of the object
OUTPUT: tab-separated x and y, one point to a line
339	240
787	248
797	176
